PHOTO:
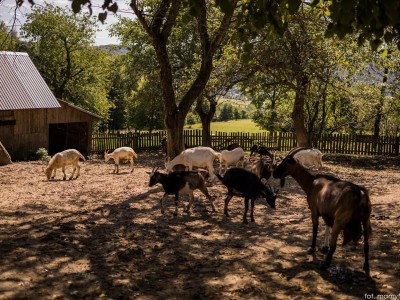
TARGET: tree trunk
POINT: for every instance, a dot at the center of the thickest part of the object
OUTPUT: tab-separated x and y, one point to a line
206	117
379	105
175	143
298	113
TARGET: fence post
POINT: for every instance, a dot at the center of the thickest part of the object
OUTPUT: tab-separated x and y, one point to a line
396	146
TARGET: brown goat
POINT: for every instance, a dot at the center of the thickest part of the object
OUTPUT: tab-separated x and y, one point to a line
342	204
180	182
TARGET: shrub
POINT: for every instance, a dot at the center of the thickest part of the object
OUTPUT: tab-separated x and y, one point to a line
42	154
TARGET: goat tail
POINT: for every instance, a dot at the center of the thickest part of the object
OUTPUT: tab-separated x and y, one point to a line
81	157
353	230
218	155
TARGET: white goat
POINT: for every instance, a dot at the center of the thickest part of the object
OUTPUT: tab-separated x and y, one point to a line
195	157
122	153
63	159
308	157
231	158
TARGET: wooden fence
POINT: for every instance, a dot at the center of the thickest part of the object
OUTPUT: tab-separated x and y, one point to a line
278	141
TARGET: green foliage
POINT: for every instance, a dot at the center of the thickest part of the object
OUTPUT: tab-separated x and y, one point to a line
42	154
60	44
144	106
373	21
8	39
191	119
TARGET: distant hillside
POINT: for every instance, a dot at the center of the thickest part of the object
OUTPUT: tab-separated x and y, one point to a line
114	49
240	104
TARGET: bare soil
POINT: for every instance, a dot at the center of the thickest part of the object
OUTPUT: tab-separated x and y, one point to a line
102	236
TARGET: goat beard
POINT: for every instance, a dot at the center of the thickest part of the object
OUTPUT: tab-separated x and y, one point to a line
352	232
282	181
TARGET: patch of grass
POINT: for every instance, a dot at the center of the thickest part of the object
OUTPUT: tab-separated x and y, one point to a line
245	125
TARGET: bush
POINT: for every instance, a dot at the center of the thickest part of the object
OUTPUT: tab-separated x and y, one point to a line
42	154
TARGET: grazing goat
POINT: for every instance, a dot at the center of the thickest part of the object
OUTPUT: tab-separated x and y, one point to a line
308	157
123	153
182	182
229	158
260	150
243	183
63	159
195	157
342	204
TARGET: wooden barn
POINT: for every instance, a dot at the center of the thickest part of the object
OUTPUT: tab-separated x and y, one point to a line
32	118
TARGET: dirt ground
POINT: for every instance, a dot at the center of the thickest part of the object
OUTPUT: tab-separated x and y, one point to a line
102	236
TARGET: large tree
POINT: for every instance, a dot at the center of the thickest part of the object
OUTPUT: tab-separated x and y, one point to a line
60	44
158	20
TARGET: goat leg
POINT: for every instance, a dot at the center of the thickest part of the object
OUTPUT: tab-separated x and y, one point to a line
176	204
204	190
332	245
190	203
65	175
246	208
54	174
315	220
227	199
117	168
73	172
161	203
79	171
366	229
325	248
252	210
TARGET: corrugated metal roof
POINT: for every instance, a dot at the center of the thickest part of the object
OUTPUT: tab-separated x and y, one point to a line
81	109
21	85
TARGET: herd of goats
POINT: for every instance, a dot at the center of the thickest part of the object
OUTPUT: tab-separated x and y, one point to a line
343	205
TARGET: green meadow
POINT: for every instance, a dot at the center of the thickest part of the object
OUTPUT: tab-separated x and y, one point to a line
244	125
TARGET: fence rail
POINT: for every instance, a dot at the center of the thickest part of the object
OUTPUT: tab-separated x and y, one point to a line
279	141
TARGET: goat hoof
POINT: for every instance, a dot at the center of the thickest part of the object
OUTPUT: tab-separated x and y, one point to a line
324	266
311	250
324	249
245	221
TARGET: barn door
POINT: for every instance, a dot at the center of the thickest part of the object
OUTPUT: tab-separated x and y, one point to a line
64	136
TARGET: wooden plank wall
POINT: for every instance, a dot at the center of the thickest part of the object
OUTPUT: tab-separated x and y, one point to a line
30	131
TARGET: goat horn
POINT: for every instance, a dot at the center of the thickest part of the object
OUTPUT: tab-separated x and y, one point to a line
295	150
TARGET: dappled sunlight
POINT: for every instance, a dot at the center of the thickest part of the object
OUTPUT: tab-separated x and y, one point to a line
103	235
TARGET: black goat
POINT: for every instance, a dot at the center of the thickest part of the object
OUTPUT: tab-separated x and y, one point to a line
342	204
260	150
181	182
232	146
243	183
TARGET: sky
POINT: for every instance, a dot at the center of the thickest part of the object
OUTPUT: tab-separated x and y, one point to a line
7	14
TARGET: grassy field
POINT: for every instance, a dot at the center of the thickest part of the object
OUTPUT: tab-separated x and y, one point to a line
246	125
